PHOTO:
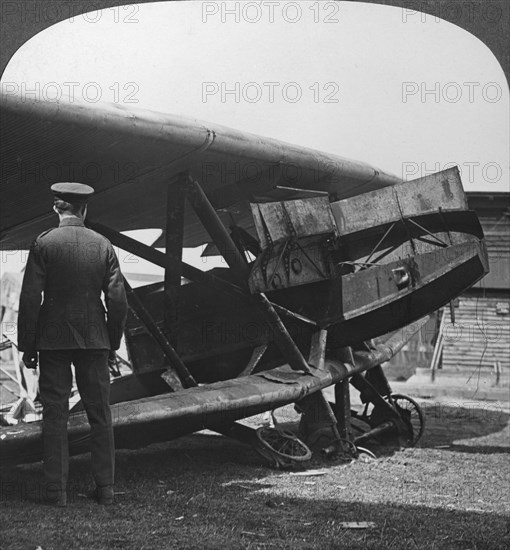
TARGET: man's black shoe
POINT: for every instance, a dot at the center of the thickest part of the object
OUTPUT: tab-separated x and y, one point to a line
56	499
104	495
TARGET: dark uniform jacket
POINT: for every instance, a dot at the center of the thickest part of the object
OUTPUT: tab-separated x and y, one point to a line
70	265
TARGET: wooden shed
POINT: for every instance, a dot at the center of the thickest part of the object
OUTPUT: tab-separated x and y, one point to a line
477	346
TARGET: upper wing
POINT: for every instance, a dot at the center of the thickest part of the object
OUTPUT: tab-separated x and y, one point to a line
131	157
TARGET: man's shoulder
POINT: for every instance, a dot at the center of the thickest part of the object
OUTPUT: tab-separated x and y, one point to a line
44	233
95	237
94	234
60	233
85	237
43	237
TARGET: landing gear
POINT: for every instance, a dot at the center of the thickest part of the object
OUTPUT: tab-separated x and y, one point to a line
412	415
282	448
402	418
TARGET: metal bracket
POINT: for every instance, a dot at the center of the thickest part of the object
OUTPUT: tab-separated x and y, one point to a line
255	358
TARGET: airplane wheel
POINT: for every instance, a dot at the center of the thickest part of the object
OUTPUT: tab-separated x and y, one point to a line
412	415
281	447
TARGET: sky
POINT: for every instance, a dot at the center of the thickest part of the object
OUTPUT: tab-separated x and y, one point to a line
409	94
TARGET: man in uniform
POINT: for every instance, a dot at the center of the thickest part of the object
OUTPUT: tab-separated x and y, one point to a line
71	265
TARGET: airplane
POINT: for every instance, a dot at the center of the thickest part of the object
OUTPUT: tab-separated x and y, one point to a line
333	265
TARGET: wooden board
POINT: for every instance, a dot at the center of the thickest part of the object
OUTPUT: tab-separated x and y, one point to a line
441	191
296	218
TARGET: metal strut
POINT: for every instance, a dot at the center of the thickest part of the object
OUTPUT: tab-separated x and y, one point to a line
175	361
166	261
174	237
237	263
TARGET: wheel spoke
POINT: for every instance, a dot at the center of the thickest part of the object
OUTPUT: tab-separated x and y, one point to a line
284	445
412	415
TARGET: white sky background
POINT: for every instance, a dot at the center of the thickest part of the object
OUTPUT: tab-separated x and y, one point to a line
160	55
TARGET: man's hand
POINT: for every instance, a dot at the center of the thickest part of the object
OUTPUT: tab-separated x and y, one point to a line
112	358
30	359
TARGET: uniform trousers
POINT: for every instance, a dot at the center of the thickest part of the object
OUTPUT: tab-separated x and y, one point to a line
93	381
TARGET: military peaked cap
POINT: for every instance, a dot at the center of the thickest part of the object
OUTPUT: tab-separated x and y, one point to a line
72	192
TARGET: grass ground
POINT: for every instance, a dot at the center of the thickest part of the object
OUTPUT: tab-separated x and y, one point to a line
204	491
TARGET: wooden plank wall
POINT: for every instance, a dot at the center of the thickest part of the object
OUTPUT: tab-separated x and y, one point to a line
493	213
479	338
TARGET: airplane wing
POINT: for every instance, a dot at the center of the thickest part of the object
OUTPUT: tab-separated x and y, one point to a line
131	157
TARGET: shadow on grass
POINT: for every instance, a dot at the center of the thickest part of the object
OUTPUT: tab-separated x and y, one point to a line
451	427
204	491
459	429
